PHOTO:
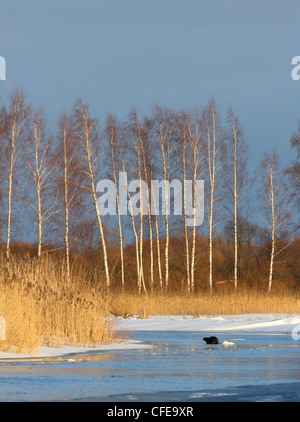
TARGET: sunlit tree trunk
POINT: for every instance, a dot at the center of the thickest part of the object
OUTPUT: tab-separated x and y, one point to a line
236	180
187	255
235	200
195	142
113	135
162	126
211	152
42	165
17	115
66	199
136	144
137	250
155	205
272	231
275	214
214	167
147	181
87	137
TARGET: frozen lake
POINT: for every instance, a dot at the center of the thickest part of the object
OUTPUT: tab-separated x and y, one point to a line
178	366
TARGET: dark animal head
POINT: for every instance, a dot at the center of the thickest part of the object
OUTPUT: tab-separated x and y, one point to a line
211	340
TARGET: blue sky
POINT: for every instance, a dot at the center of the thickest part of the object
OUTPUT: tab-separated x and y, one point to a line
118	53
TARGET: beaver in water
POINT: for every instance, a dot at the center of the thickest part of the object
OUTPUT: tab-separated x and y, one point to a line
211	340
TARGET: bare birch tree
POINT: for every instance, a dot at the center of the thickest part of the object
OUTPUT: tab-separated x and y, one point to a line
42	163
18	112
274	211
113	133
197	168
141	198
141	278
237	152
181	119
144	146
162	124
214	163
191	128
87	137
3	129
68	182
122	143
151	156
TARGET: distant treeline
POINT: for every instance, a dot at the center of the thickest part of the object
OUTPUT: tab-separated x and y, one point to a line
49	196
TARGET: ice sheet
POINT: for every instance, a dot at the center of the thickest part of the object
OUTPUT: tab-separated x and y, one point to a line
260	323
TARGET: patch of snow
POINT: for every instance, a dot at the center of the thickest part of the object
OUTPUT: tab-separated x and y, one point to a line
212	394
267	323
228	343
54	352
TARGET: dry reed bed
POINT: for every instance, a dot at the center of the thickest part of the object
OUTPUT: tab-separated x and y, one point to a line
40	309
230	303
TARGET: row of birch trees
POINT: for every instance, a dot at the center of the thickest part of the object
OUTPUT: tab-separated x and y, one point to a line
51	178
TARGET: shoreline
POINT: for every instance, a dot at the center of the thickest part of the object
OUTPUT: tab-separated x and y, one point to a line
247	323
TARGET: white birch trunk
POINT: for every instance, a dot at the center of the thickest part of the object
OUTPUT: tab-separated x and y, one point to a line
235	194
19	116
107	278
91	176
149	215
133	223
272	229
158	245
10	182
187	257
211	171
66	200
194	230
166	220
119	216
156	229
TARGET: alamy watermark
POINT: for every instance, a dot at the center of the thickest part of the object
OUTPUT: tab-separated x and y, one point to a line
2	69
137	198
296	69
